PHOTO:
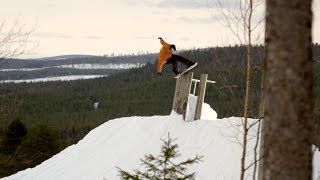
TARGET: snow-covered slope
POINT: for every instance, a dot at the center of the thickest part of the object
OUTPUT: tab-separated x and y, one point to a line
122	142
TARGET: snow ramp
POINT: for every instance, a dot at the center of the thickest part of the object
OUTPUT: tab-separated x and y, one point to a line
123	142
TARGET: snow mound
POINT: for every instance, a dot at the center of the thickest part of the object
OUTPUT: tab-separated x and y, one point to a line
123	142
207	112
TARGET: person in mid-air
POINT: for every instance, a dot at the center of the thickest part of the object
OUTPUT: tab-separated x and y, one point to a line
167	57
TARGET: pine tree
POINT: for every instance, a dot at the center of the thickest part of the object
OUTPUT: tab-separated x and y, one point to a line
41	143
13	137
162	166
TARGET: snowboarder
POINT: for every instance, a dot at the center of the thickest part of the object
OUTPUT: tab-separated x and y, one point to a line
167	57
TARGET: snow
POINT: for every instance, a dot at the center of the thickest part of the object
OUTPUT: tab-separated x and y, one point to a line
24	69
103	66
84	66
316	163
56	78
207	112
123	142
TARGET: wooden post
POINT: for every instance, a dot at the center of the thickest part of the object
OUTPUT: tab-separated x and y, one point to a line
181	95
201	94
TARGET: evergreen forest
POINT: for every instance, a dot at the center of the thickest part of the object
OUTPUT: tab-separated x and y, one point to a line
64	111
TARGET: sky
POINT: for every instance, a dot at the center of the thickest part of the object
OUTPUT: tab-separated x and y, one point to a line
100	27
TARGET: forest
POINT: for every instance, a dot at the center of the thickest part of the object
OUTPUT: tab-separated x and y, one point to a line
64	111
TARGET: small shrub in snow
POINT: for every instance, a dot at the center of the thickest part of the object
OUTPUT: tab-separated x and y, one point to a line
162	166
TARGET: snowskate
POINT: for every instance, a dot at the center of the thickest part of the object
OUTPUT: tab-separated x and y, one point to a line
186	70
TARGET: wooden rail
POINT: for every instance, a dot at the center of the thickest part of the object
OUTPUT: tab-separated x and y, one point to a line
181	95
182	91
201	94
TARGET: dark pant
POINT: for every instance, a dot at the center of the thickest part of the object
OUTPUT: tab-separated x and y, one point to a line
174	61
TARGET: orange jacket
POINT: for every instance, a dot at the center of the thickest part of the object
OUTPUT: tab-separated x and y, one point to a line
164	54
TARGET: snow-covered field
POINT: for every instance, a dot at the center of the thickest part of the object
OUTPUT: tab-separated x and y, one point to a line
56	78
122	142
24	69
102	66
71	66
84	66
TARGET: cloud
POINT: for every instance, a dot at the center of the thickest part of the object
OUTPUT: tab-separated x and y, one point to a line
93	37
199	19
225	4
53	35
184	4
184	38
50	5
65	36
146	37
145	3
190	4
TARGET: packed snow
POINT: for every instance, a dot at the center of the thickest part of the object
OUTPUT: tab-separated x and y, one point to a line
56	78
123	142
207	112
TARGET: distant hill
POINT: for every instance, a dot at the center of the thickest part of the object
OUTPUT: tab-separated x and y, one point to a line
63	57
70	65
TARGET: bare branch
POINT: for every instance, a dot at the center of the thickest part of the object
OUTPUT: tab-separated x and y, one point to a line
253	163
240	22
15	40
256	149
255	123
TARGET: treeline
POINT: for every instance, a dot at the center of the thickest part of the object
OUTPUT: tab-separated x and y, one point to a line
22	148
29	63
53	72
68	106
50	66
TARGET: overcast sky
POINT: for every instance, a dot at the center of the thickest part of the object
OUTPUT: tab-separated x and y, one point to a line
99	27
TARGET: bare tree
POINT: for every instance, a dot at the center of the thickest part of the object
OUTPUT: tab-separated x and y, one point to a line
288	100
240	22
15	40
248	91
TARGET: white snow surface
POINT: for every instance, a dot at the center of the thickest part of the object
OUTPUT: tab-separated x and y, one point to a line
84	66
55	78
24	69
207	112
123	142
103	66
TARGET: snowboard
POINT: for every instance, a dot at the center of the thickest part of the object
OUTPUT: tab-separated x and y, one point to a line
186	70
